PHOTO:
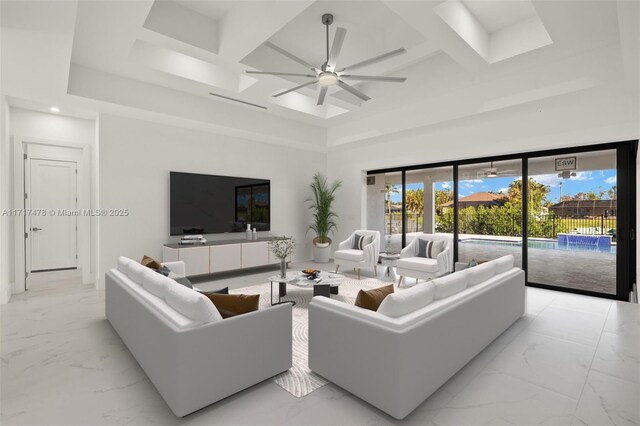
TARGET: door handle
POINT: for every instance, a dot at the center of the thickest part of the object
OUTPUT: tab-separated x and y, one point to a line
36	229
632	234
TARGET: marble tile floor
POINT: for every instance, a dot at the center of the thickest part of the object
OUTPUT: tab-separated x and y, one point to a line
570	360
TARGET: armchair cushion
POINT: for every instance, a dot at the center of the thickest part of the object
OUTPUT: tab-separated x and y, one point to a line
360	241
430	249
423	264
349	254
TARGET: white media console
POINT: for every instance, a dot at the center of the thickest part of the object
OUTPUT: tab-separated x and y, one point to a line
220	256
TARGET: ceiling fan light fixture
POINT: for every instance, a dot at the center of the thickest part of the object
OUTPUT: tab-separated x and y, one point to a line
492	174
328	79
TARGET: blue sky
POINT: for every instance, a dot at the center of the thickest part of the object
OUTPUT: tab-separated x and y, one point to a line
583	182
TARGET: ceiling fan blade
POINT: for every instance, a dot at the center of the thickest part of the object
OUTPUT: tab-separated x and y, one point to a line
338	39
374	78
508	171
293	74
289	55
295	88
323	93
376	59
353	90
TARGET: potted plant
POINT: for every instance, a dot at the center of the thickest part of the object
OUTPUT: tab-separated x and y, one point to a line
282	248
320	204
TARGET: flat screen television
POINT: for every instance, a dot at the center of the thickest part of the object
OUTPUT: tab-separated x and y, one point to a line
209	204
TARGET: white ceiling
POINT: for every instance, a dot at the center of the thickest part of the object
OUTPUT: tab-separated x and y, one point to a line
162	59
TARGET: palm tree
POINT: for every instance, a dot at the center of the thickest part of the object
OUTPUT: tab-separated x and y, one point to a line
320	204
389	191
415	203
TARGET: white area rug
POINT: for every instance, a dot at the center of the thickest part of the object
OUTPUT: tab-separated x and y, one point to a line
299	380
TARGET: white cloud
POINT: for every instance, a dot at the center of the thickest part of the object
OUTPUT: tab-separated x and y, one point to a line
611	180
553	180
446	185
503	190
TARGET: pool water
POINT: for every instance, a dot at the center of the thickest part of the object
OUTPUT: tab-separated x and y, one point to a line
538	244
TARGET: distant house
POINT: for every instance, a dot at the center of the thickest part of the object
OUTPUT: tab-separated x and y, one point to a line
585	208
486	199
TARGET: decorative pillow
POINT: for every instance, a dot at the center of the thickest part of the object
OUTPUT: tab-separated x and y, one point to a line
192	304
407	301
371	299
481	273
221	291
360	241
503	264
234	304
181	280
150	262
430	249
450	284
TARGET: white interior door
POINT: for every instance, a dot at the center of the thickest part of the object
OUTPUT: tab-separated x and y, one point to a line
53	239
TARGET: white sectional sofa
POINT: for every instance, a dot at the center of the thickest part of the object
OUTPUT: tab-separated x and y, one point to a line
397	357
191	355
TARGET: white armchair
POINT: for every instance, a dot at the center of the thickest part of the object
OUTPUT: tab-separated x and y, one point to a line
411	265
349	257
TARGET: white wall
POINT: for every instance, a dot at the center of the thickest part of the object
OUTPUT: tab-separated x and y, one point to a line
136	158
5	223
557	122
43	128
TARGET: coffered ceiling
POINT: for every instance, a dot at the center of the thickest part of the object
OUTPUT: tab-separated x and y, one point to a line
162	59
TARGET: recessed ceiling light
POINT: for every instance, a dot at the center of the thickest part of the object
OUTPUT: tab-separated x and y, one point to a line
54	109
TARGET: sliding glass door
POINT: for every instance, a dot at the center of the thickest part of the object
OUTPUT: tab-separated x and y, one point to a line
490	211
567	216
573	221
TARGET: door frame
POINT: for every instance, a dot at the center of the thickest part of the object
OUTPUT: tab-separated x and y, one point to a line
48	150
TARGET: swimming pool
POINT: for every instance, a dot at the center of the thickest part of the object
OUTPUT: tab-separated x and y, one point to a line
541	244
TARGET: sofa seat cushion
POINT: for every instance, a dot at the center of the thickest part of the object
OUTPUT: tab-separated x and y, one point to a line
407	300
192	304
349	254
423	264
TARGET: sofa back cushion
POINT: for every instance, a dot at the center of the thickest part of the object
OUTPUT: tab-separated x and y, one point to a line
407	301
191	304
155	283
123	265
450	284
135	271
503	264
481	273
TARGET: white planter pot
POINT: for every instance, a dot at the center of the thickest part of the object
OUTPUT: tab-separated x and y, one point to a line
321	254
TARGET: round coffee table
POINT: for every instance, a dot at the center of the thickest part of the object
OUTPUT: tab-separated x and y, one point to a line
326	284
390	260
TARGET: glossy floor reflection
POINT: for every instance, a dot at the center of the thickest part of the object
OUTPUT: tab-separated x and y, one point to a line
570	360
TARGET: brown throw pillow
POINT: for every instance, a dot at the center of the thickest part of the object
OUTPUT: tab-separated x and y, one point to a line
234	304
150	262
371	299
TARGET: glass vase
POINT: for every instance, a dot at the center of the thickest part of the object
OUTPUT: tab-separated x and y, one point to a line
283	268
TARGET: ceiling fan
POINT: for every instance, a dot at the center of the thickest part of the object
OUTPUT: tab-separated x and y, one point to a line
491	172
328	75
